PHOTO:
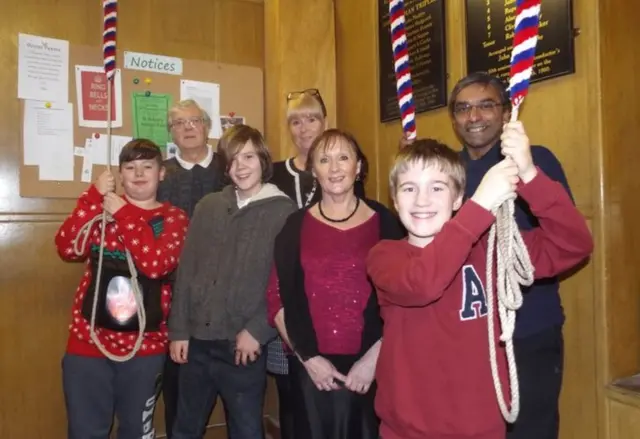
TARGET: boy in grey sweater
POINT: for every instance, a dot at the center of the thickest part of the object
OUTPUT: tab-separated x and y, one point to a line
218	324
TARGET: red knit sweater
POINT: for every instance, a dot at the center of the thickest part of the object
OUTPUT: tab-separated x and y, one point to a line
153	256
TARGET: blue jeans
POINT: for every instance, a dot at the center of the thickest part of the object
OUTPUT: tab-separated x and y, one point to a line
211	371
95	388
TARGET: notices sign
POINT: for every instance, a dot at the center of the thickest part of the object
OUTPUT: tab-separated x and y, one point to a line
91	91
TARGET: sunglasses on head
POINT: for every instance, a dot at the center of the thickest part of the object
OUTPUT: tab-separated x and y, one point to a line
311	92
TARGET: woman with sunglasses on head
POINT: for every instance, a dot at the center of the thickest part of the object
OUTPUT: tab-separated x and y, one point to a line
307	120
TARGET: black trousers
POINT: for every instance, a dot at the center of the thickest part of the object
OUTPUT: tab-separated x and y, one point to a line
337	414
540	361
285	406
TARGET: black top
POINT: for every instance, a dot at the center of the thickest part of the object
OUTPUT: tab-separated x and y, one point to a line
287	177
292	293
184	188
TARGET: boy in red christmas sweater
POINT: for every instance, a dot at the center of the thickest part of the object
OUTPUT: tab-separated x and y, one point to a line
433	373
114	364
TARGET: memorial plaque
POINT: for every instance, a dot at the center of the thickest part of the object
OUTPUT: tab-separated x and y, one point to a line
490	27
426	38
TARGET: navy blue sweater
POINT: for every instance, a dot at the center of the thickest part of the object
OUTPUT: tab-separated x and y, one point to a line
541	307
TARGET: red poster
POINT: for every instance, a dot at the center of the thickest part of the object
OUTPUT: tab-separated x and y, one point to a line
94	97
91	87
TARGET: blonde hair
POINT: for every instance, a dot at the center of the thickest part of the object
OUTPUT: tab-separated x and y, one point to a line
305	104
428	153
188	103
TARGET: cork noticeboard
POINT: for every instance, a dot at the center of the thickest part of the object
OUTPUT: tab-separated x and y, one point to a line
241	92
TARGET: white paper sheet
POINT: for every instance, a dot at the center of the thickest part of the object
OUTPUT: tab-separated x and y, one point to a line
43	68
100	150
93	113
48	139
207	95
87	163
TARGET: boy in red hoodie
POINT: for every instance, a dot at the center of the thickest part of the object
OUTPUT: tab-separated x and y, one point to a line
115	363
433	373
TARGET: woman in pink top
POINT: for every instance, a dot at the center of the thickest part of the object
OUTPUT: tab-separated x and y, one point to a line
322	301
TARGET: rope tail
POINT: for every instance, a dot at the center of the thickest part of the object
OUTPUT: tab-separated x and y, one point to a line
512	262
84	234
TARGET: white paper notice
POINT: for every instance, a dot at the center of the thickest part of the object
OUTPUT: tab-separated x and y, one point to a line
207	95
100	150
87	163
43	68
48	139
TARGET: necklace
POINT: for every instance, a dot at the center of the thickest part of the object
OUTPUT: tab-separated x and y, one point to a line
339	220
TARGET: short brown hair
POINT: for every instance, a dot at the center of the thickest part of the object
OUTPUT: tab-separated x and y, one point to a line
428	152
140	149
234	139
328	139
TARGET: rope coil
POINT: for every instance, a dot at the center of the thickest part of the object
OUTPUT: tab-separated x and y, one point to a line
79	247
508	252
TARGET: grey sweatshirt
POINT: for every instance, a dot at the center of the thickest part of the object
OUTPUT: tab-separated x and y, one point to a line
225	265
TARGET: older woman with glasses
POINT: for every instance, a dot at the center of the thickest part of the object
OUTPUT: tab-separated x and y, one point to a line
320	298
306	119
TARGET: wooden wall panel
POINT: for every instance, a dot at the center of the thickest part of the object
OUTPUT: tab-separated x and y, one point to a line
620	186
623	409
36	288
299	54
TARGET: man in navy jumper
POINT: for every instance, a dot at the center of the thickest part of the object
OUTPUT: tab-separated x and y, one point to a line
479	106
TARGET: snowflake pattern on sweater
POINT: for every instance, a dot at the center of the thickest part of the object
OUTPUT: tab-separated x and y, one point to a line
155	257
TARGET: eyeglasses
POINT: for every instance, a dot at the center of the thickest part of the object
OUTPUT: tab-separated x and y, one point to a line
181	124
314	92
486	108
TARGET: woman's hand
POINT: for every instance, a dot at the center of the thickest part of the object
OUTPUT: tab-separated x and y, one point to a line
363	371
323	373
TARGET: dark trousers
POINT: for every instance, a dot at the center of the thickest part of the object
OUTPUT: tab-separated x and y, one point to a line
211	371
285	406
170	378
96	388
338	414
540	361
